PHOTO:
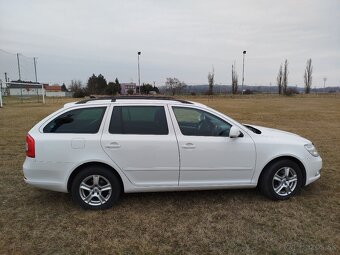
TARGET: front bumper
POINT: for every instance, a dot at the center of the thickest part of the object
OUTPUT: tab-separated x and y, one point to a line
313	169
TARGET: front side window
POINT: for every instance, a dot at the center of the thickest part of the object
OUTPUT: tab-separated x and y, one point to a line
195	122
80	121
142	120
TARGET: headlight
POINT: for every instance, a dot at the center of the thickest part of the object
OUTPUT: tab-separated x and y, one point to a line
311	149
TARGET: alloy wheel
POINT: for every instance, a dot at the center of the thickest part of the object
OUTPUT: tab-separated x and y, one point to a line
95	190
284	181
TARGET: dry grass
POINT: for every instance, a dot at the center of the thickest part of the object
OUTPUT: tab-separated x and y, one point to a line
34	221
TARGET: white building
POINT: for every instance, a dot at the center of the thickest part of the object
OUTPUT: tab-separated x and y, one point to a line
125	87
55	91
24	90
15	89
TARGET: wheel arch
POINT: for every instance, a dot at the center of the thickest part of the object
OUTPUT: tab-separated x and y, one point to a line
93	163
294	159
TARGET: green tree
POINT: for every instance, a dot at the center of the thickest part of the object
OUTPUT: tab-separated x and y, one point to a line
96	84
155	89
101	84
118	86
63	88
146	88
91	84
112	88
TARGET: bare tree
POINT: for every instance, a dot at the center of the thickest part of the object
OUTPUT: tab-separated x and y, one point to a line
211	78
75	85
308	76
77	88
279	79
285	77
174	85
234	79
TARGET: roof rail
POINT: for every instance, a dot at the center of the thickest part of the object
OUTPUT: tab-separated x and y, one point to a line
113	99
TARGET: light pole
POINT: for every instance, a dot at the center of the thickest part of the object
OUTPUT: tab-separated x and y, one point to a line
35	69
138	53
244	53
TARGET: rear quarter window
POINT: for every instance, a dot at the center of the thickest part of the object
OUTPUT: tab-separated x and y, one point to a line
79	121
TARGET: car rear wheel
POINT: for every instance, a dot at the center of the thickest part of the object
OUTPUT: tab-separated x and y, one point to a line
281	180
96	187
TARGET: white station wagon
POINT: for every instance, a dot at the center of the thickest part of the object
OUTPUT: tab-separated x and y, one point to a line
99	148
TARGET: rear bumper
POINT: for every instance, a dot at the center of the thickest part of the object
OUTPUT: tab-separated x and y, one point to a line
46	175
54	186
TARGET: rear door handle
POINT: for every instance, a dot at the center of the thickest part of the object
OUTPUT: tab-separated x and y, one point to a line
113	145
189	146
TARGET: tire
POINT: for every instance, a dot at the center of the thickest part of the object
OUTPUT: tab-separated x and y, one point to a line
96	187
281	180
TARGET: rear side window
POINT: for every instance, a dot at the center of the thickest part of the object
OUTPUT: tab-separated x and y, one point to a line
79	121
141	120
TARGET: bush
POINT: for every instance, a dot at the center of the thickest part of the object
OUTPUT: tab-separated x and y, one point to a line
130	92
291	91
248	92
79	93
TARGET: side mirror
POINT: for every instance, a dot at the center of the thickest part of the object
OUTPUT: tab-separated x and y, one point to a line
234	132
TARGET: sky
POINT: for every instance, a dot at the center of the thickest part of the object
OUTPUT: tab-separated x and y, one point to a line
187	39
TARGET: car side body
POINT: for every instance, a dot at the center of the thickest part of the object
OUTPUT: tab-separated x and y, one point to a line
168	160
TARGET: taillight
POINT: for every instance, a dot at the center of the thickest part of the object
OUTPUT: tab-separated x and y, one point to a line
30	146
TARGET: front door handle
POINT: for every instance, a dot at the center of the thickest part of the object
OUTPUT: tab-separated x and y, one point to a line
113	145
189	146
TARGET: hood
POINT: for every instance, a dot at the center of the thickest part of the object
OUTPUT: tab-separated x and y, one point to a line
278	134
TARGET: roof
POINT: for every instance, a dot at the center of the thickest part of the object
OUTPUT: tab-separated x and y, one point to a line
24	86
139	98
127	83
130	99
53	88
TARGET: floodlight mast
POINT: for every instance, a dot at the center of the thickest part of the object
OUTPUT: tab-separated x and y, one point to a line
138	54
244	53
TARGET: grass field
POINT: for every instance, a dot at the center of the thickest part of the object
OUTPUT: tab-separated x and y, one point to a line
34	221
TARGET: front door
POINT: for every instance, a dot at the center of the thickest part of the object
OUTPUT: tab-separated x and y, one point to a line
207	155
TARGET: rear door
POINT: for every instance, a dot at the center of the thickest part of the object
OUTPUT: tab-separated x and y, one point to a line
141	141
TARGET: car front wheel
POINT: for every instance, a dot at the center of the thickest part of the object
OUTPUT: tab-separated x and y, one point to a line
281	180
95	187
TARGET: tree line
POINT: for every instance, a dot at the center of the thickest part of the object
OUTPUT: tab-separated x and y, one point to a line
175	86
98	85
281	79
